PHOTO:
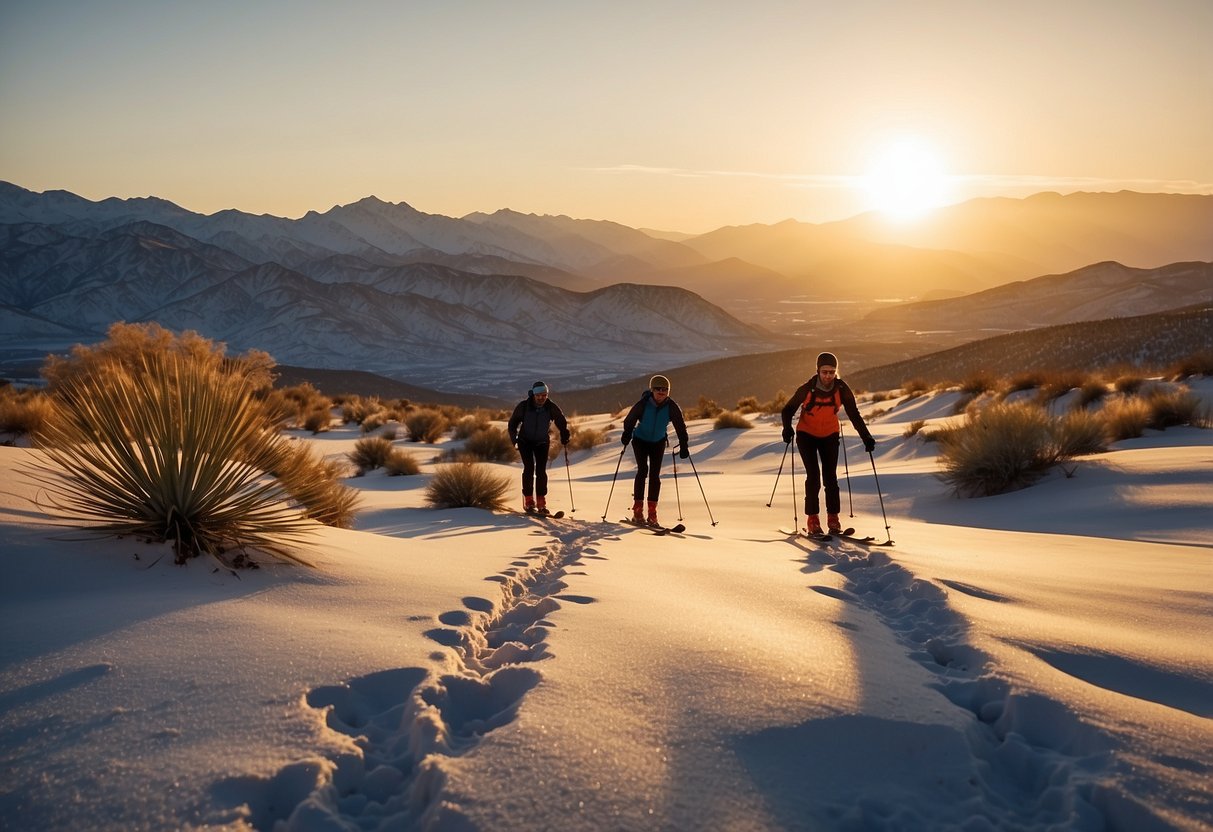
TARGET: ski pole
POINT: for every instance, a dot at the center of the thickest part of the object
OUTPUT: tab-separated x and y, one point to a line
780	474
677	494
616	476
691	459
888	542
795	511
569	474
847	469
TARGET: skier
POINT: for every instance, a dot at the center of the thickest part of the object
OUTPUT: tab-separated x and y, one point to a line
817	435
645	428
529	432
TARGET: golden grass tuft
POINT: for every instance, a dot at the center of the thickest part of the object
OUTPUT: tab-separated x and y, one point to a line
467	485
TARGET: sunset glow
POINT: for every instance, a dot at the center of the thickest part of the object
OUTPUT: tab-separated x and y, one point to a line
906	181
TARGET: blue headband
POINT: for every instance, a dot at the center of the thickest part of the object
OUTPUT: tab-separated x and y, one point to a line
539	388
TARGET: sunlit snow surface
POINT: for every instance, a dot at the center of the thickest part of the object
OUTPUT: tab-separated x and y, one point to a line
1036	660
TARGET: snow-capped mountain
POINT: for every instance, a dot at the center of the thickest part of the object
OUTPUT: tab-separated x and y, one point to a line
421	322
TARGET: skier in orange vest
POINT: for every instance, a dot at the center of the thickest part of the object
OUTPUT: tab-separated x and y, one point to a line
817	436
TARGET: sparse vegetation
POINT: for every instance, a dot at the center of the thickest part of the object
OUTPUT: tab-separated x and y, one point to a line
1126	418
370	452
1197	364
748	404
730	419
1078	433
315	483
426	425
24	413
1173	407
914	427
467	485
705	409
401	463
1092	391
584	439
469	424
490	444
1001	448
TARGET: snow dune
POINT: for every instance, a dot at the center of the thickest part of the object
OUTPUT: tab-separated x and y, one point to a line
1036	660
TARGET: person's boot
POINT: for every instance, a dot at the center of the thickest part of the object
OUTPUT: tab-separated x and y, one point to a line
812	524
541	505
833	524
637	512
528	503
652	519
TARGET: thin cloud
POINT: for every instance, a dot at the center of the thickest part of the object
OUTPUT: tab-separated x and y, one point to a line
993	181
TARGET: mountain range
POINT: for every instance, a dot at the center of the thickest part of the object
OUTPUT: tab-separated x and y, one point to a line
488	302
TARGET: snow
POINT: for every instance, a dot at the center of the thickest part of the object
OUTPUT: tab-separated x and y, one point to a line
1036	660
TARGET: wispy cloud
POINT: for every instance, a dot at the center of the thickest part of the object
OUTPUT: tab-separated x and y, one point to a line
976	181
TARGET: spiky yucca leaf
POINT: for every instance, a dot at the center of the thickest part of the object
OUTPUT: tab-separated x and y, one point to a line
171	449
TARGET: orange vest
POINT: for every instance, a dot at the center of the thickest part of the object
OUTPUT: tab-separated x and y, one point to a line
819	413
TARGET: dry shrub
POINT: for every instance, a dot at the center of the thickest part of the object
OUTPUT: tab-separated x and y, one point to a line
748	404
584	439
705	409
1078	433
1128	384
1000	448
491	444
1090	392
426	425
318	420
731	419
171	446
469	424
1197	364
130	345
24	413
370	453
1019	382
401	463
1126	417
978	383
1174	407
467	485
315	483
914	427
1056	385
374	421
356	409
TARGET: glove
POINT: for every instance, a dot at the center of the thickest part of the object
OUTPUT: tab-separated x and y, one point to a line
869	444
626	438
564	438
683	453
788	433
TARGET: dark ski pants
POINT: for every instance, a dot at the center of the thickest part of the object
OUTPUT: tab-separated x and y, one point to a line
812	447
648	467
534	467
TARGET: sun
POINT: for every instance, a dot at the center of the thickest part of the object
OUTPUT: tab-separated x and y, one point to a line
906	180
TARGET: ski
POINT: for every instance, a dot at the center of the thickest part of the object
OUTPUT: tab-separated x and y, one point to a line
851	536
657	530
820	538
551	515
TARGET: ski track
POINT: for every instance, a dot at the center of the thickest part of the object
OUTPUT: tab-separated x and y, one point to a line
1038	764
404	720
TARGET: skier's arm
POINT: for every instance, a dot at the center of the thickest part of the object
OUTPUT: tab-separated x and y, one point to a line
515	421
852	408
789	409
562	424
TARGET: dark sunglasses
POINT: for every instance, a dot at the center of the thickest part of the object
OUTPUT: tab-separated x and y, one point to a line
661	389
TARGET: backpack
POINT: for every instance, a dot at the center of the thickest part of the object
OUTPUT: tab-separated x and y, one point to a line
819	413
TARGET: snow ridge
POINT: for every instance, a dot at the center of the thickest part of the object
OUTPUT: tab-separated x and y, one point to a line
405	722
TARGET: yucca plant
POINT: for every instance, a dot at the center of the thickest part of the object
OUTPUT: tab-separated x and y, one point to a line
169	448
467	485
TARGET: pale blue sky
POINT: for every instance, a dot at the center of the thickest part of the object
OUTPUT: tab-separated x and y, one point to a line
682	116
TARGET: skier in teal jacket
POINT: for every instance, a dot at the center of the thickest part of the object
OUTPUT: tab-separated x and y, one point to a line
645	428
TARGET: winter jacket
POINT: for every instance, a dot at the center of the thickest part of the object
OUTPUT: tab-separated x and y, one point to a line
530	422
647	420
819	416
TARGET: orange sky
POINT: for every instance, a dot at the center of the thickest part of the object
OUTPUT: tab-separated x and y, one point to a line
683	116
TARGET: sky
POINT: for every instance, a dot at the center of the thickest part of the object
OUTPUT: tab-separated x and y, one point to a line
682	116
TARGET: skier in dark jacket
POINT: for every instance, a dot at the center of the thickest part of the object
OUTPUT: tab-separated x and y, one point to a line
529	433
645	428
817	435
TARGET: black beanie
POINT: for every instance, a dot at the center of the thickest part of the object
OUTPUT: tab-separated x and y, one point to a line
827	359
